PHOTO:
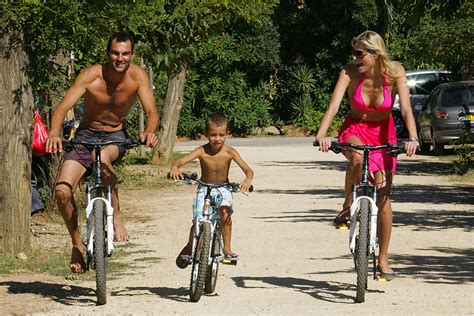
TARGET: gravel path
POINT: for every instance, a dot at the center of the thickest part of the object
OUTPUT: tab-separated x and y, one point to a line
292	260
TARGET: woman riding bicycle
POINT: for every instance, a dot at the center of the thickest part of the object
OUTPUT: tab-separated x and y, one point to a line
370	81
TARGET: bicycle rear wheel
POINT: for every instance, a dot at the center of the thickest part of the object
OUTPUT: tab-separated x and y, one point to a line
98	212
362	250
200	263
213	268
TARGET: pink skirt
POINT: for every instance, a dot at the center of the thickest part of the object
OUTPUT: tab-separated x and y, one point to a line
372	133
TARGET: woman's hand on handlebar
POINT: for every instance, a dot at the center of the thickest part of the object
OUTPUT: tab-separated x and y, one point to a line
411	146
324	143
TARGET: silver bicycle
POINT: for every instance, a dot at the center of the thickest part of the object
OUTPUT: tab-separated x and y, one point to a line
207	240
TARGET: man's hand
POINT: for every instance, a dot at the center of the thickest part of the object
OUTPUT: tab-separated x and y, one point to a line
149	139
54	143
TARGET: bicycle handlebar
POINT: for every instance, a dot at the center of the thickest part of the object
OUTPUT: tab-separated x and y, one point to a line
127	143
338	147
235	187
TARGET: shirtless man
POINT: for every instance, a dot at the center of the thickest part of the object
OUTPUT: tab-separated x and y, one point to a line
215	158
109	91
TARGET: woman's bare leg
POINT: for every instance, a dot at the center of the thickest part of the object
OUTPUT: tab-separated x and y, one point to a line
384	224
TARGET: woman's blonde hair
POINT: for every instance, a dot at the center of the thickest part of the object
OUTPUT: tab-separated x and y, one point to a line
373	43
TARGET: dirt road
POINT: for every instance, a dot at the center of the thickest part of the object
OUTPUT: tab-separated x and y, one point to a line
292	259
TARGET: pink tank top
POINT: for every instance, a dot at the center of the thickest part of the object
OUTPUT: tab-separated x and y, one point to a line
358	102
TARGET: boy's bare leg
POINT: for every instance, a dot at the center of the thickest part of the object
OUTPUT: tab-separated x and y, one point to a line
68	179
226	228
109	155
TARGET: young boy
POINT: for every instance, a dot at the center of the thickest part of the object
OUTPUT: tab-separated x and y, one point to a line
215	158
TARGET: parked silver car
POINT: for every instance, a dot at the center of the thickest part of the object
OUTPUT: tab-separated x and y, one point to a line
420	85
447	115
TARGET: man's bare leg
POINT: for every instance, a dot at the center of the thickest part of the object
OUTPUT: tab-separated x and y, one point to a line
68	179
109	155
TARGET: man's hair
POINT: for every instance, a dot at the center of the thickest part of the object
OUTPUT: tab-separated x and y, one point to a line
120	37
218	118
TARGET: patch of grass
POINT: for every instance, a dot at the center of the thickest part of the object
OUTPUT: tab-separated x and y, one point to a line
55	263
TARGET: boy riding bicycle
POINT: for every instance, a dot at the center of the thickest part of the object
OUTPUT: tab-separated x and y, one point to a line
215	158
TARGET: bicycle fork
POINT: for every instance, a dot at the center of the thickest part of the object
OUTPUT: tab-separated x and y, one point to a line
110	221
355	207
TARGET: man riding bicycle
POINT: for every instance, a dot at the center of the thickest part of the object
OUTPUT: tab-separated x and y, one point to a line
109	92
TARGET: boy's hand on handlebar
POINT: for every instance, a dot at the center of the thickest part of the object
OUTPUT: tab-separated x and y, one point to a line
245	186
149	139
175	174
324	143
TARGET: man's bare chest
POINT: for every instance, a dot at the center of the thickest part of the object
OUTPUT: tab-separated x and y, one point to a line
107	96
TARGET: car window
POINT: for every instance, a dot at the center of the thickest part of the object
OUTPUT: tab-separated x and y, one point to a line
422	83
458	97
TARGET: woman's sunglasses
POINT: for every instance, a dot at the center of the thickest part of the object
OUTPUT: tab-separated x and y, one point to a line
358	53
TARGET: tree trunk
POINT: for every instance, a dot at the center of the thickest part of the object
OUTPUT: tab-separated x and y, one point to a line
169	118
16	122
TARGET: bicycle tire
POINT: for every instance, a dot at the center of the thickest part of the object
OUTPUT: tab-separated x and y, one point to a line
98	211
362	250
213	268
200	263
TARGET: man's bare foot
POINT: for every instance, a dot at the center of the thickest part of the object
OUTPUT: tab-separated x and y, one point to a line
77	263
120	232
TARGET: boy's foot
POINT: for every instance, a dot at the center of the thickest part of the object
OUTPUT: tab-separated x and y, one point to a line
230	257
342	220
120	232
77	263
385	276
182	261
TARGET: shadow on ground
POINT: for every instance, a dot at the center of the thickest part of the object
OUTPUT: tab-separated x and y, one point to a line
410	167
175	294
437	265
61	293
329	291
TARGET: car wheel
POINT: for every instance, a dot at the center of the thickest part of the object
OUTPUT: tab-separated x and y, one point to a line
424	147
438	149
399	124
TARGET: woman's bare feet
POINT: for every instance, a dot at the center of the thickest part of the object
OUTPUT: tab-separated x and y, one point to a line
77	263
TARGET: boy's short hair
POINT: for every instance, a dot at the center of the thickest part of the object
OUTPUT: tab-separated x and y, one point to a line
120	37
217	118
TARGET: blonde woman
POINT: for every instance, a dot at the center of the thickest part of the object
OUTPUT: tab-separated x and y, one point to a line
370	81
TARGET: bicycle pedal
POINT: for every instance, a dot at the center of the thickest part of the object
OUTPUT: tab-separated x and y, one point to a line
229	262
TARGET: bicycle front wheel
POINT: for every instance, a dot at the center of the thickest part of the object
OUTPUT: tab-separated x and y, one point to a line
98	212
212	270
362	250
200	262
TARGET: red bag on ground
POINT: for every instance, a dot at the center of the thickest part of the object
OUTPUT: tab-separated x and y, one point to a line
40	134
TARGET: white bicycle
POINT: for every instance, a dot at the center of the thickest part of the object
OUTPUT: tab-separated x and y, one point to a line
363	221
99	216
